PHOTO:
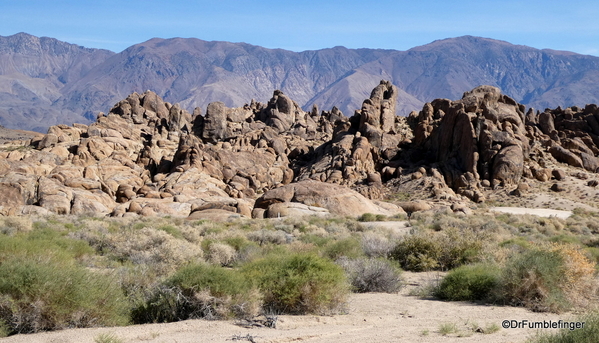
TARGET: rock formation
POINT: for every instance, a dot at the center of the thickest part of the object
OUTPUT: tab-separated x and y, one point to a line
149	157
486	138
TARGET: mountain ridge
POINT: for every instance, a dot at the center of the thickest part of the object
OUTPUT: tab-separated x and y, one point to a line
44	81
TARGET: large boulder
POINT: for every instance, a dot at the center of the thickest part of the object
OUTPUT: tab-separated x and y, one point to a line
336	199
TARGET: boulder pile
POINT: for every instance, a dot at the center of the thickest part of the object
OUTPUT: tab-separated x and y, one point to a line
149	157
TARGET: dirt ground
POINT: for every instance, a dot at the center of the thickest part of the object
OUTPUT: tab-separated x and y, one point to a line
373	317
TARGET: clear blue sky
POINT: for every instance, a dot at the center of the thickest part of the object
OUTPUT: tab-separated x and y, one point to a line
307	25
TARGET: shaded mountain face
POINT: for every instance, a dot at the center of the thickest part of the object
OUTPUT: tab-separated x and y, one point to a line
45	82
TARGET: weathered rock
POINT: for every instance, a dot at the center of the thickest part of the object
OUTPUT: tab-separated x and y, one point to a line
565	156
293	209
215	215
481	136
559	174
149	157
546	122
215	122
337	199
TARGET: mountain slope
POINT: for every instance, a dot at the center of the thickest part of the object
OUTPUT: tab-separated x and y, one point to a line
45	82
448	67
33	72
195	72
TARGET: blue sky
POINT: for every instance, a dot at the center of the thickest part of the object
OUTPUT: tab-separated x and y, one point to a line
308	25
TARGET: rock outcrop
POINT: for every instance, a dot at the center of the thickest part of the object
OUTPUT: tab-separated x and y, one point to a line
316	195
149	157
487	136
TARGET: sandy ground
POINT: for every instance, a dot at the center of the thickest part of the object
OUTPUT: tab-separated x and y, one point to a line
373	317
541	212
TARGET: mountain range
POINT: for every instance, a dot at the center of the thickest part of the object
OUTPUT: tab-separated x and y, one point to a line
44	81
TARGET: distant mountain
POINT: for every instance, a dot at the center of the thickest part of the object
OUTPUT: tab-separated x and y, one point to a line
33	75
44	81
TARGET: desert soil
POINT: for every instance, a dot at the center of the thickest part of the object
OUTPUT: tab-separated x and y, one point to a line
541	212
373	317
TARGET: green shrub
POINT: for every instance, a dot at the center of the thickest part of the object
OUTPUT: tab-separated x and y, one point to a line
367	217
544	277
348	247
43	242
317	240
372	275
470	282
200	291
417	253
441	250
371	217
588	334
171	230
533	280
4	329
39	294
299	283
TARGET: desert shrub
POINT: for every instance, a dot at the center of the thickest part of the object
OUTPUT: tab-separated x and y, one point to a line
375	245
349	247
4	329
532	280
417	253
42	294
12	225
221	254
588	334
238	242
152	247
441	250
371	275
317	240
371	217
470	282
566	239
200	291
172	230
367	217
448	329
299	283
519	243
580	284
43	242
268	236
549	278
593	252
